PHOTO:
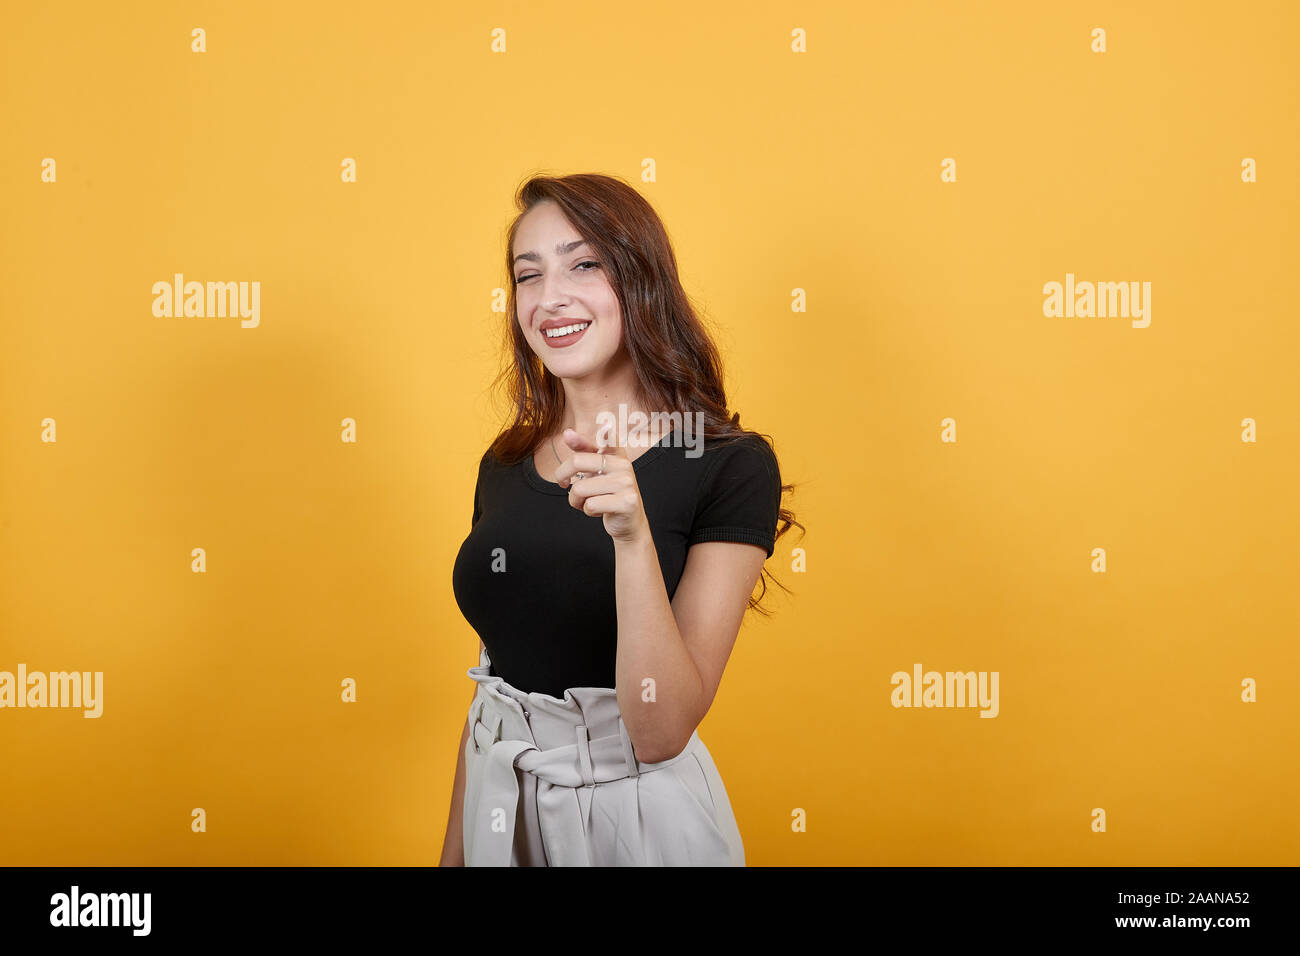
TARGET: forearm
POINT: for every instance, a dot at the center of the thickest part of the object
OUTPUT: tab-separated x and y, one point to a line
453	844
650	645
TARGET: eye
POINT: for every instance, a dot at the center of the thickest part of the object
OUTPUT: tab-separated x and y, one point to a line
533	275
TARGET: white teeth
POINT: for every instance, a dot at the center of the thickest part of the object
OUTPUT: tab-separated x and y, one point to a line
566	329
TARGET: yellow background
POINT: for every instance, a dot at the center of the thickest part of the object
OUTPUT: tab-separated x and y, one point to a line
775	171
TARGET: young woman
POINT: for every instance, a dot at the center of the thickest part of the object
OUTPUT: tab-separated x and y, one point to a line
606	578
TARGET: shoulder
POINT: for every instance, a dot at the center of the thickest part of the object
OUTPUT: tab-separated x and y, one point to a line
489	460
489	467
748	456
744	467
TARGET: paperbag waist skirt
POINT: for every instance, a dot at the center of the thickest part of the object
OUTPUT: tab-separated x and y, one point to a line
552	782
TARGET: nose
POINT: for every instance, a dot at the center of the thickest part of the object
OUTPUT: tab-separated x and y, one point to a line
553	290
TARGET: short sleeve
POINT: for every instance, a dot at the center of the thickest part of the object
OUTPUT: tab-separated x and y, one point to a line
740	496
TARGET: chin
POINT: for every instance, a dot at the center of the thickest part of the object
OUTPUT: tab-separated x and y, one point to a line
572	369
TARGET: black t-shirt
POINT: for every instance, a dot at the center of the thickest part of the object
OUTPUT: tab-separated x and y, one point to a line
547	614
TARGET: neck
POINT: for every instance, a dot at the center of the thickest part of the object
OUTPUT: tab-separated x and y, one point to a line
586	399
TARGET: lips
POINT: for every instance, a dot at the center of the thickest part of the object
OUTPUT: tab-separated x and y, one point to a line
562	321
564	341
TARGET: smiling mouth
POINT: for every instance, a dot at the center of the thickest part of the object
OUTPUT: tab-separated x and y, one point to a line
565	331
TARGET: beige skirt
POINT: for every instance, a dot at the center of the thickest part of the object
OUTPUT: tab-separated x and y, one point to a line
552	782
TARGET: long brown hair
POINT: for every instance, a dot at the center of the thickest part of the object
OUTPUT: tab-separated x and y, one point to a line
678	367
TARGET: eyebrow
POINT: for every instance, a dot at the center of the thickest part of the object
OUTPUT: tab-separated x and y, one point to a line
561	249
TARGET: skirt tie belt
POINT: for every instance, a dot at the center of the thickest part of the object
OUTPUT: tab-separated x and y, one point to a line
549	780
